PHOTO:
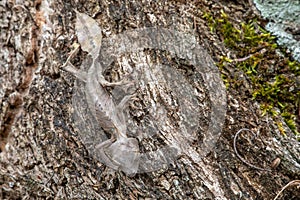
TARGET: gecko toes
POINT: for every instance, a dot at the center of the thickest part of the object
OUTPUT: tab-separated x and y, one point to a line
125	153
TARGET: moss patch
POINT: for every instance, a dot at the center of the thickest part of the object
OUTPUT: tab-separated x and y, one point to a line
274	78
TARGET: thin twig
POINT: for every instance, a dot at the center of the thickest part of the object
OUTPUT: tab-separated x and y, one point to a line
239	156
243	59
292	183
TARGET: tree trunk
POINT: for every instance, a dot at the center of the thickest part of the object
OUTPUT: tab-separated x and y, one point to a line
49	137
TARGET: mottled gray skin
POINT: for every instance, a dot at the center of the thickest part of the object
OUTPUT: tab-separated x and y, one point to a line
111	118
119	152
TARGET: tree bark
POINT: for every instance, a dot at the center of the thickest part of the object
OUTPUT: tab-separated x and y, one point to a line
46	154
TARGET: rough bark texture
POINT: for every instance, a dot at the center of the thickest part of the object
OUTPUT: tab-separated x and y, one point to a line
42	154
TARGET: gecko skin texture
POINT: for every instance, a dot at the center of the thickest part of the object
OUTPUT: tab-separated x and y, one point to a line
121	152
109	116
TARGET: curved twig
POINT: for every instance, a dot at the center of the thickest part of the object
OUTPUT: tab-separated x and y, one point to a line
292	183
239	156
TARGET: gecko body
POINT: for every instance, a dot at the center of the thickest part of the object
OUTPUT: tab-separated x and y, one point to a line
119	152
110	117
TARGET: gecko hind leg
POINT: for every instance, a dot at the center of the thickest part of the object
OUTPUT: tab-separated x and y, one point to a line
125	152
103	156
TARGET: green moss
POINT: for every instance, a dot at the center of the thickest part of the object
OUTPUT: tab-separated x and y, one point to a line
273	78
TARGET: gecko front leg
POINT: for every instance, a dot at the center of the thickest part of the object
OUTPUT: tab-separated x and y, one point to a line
68	66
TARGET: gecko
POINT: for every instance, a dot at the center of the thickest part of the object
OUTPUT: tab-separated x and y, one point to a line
119	152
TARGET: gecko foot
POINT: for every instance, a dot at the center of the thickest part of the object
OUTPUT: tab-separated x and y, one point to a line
103	157
125	152
122	154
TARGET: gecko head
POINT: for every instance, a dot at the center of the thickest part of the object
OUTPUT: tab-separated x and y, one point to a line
89	34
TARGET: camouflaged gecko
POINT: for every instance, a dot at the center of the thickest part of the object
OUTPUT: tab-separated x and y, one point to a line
119	152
